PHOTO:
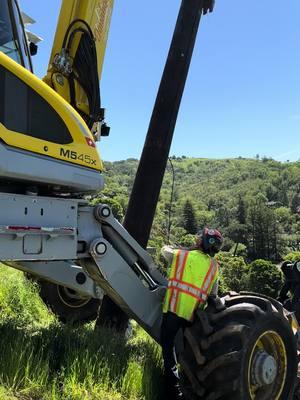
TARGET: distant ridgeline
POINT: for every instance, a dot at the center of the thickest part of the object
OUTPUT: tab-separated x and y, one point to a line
255	202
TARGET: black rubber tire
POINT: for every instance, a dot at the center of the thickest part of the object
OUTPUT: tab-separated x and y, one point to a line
219	347
67	308
297	390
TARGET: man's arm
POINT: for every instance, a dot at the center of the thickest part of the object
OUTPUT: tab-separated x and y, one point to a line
167	252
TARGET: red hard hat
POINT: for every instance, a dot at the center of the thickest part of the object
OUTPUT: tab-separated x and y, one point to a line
212	240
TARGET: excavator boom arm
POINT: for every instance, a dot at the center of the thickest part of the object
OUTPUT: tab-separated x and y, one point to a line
77	56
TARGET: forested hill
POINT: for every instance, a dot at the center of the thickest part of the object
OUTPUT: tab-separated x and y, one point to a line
255	202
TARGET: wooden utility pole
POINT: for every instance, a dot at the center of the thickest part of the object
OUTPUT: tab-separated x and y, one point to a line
143	200
144	197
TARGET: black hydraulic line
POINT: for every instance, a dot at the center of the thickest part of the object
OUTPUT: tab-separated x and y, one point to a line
146	188
171	201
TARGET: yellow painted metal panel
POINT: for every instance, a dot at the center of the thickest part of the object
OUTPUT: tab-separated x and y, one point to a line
97	15
79	151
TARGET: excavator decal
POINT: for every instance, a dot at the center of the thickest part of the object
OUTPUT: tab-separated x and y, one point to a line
103	12
73	155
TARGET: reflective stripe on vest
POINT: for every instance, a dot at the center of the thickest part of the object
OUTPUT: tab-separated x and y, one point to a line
179	269
183	283
188	289
208	280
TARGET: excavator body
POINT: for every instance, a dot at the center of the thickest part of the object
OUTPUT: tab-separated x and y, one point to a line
45	142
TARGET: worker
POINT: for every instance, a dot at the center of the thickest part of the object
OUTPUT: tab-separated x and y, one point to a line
289	295
193	276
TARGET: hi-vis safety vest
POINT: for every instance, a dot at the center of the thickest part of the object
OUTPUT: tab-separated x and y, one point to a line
191	279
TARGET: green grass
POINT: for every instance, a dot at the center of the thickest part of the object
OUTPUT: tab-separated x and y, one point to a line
41	359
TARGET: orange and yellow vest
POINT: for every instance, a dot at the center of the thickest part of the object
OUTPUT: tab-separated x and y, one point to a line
192	276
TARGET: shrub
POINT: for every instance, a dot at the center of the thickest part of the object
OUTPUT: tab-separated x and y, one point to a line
239	249
264	278
292	256
187	240
233	271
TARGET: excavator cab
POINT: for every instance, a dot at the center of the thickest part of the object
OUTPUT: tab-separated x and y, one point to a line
13	40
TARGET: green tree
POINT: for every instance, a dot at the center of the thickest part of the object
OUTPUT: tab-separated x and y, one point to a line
241	211
271	193
223	216
264	278
283	216
239	249
237	232
189	217
295	203
205	218
282	185
263	231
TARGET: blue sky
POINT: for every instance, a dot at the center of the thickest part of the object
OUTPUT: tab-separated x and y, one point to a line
242	95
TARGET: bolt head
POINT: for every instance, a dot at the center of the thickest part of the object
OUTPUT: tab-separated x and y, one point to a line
100	248
105	212
80	278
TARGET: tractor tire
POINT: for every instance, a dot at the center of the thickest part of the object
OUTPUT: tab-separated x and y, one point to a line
240	348
67	304
297	390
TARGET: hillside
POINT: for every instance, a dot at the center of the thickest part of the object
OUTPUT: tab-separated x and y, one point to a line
253	201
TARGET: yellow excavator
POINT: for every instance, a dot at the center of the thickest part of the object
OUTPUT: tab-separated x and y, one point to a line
242	346
59	142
